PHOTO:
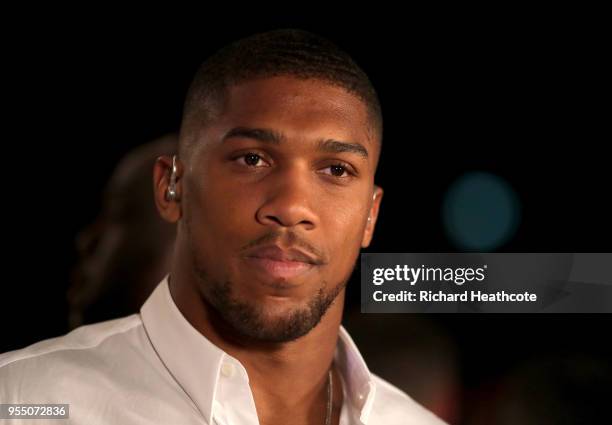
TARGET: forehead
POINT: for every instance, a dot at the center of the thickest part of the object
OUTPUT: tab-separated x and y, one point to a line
299	108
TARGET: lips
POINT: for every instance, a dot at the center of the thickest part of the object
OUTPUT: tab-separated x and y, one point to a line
281	263
274	252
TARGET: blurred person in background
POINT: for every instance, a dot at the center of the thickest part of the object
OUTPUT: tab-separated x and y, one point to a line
126	251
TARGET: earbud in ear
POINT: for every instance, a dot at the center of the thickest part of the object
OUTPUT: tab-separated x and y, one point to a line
171	190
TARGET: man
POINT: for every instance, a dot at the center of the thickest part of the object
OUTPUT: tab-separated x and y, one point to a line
126	251
273	195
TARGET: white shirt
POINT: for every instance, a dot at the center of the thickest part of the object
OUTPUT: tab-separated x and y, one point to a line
155	368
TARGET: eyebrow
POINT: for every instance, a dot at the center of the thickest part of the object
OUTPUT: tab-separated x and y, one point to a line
273	137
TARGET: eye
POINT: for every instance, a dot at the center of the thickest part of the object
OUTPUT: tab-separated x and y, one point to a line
251	159
338	170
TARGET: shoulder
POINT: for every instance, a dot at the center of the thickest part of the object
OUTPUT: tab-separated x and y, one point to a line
87	337
393	406
86	351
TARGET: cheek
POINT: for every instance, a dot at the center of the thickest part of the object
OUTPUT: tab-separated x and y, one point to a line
220	210
345	217
344	230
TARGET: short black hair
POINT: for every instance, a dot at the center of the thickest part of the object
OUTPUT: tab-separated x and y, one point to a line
289	51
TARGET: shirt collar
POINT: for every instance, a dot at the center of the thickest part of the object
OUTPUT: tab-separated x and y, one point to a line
180	346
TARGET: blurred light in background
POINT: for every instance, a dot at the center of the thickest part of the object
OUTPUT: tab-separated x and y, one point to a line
480	212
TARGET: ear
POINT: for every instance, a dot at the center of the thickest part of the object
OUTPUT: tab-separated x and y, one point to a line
373	216
169	210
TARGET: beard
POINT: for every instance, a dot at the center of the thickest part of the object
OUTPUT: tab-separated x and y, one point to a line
252	321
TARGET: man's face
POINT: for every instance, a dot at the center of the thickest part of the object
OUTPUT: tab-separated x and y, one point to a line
309	190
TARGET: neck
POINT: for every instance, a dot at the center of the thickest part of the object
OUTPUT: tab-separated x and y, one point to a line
289	379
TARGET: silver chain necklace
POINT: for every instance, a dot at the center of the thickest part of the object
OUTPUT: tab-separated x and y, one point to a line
330	390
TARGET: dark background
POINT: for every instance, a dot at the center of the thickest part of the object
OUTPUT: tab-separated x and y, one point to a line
526	99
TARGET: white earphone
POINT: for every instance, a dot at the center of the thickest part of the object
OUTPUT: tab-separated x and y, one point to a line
171	191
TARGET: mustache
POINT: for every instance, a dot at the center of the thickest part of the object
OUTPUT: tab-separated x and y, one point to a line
288	239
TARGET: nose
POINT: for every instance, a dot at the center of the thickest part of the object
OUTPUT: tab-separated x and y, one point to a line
290	200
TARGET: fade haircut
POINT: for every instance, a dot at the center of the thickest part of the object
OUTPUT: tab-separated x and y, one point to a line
291	52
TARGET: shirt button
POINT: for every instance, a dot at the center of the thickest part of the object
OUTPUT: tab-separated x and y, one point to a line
361	394
227	370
